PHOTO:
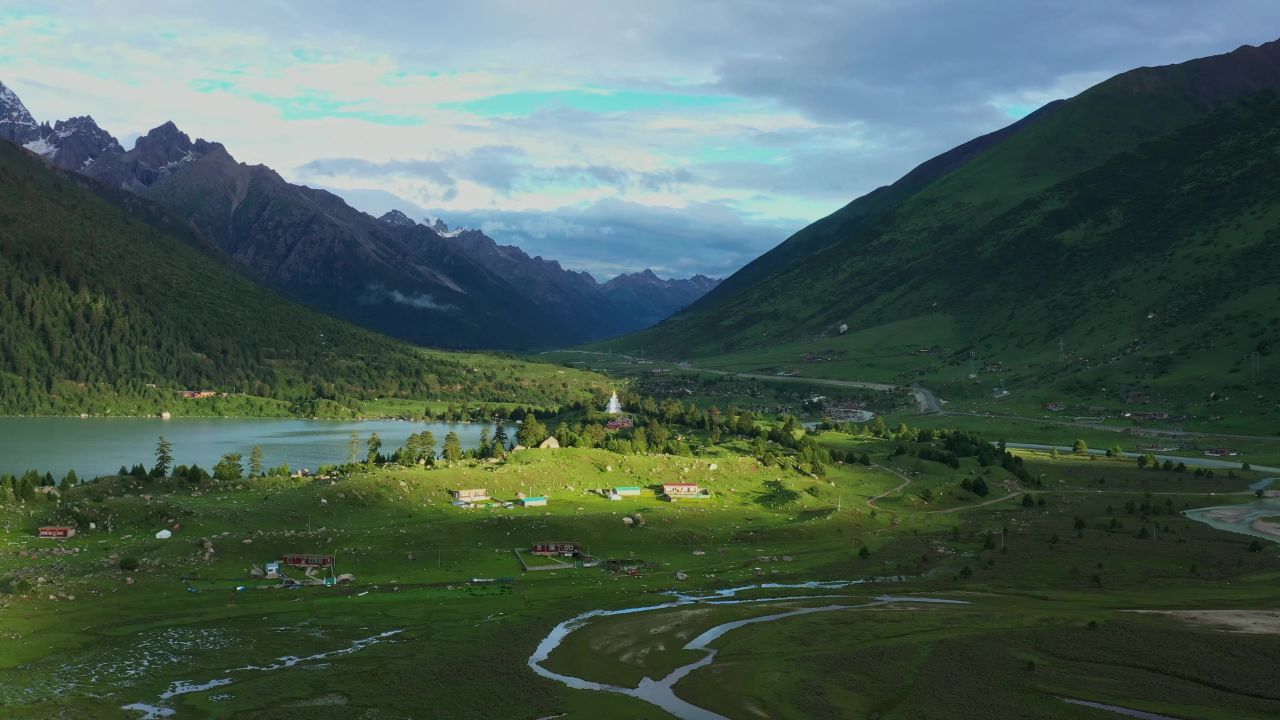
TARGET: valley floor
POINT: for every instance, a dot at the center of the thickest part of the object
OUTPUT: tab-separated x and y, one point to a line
441	622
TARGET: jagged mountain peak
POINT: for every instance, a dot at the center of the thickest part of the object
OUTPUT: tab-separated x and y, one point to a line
167	135
16	123
397	218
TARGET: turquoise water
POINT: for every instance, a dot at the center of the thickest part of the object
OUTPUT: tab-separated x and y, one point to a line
97	446
1268	509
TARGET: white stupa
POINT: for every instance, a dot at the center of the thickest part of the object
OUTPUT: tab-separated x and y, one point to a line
615	406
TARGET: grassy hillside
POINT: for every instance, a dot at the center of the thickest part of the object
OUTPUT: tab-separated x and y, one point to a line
108	303
1133	227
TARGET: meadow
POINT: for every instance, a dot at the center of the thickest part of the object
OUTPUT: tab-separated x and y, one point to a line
440	621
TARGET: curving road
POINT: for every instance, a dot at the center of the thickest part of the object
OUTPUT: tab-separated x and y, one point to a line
1204	462
925	398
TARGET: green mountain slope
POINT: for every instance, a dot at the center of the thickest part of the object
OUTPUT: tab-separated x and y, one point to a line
103	296
1133	226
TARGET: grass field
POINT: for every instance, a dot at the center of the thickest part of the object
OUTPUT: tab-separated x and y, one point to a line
414	637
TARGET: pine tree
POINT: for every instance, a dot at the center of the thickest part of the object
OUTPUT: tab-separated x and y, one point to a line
500	435
255	462
531	431
164	457
71	480
452	447
427	445
353	447
375	444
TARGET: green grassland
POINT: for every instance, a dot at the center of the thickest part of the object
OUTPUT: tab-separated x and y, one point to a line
461	647
1134	271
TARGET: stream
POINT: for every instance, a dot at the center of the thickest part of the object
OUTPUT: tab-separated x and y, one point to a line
661	692
183	687
1260	518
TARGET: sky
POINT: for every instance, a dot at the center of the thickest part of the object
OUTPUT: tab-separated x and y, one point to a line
688	137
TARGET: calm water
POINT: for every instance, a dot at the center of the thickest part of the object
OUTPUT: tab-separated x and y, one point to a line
96	446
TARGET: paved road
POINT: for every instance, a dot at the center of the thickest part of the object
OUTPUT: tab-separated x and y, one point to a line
924	397
929	403
1204	462
1157	432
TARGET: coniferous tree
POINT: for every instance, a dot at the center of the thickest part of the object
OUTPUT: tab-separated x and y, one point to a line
427	445
164	457
353	447
452	447
255	462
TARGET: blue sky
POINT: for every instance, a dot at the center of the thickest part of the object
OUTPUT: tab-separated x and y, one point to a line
687	137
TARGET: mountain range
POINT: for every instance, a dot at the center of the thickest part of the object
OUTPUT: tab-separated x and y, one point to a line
1119	244
109	304
412	280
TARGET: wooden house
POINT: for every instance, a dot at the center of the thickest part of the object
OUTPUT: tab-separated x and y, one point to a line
470	496
303	560
683	490
555	548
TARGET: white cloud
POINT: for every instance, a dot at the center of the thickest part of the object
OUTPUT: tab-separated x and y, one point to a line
775	112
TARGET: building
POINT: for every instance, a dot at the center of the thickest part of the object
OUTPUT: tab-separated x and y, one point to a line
556	548
57	531
683	490
627	490
470	496
620	423
537	501
303	560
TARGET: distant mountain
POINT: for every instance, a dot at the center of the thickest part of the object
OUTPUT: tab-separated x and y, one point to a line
16	124
78	143
420	281
109	302
653	299
590	309
155	156
1123	239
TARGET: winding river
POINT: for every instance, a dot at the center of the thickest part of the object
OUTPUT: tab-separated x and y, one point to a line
661	692
1260	519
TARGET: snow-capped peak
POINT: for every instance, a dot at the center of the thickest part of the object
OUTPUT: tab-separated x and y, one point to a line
397	218
16	123
436	224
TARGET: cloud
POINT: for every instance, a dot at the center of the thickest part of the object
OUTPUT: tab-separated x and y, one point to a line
377	293
679	135
505	169
611	236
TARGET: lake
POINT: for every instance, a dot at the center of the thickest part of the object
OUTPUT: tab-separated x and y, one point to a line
98	446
